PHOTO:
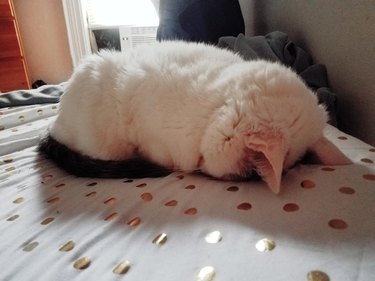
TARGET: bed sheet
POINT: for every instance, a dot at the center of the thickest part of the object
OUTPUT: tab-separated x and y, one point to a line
54	226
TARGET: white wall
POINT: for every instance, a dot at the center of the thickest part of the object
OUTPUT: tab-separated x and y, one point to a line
247	8
44	38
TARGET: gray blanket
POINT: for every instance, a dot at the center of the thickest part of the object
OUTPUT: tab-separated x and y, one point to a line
44	94
276	46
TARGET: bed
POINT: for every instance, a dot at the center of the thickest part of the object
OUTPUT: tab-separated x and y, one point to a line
54	226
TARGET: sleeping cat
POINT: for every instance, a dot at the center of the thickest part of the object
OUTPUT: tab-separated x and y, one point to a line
186	106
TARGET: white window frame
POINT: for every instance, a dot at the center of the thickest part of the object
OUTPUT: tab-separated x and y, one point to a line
77	30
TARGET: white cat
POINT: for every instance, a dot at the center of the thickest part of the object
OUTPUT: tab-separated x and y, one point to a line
187	106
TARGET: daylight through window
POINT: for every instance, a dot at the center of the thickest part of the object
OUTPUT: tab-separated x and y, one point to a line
103	13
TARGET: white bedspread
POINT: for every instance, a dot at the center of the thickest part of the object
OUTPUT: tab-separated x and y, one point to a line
54	226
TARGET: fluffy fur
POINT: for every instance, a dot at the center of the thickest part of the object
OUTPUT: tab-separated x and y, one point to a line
186	106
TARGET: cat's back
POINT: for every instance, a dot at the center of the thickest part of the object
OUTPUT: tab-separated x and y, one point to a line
107	87
110	73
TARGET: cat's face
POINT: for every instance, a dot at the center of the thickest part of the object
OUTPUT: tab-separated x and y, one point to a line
263	133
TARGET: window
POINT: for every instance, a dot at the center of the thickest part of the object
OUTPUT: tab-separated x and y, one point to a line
104	13
83	16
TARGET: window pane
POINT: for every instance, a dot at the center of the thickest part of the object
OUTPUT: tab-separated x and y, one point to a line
121	12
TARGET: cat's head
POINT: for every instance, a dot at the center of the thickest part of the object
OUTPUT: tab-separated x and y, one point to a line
265	128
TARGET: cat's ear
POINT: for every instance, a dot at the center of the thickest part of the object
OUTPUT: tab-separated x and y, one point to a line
326	153
269	158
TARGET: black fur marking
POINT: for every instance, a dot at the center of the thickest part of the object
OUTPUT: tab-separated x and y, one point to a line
84	166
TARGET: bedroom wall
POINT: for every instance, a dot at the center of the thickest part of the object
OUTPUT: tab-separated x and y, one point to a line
44	37
247	8
339	34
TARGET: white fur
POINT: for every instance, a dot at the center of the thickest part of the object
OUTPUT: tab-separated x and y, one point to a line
188	106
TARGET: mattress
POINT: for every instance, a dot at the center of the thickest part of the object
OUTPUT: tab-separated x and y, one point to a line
55	226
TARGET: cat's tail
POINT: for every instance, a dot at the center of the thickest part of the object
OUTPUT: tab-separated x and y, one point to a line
84	166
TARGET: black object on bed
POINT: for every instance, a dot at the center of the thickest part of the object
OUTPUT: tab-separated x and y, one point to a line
199	20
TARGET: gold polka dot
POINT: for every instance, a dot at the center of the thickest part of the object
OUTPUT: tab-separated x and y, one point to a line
191	211
13	218
40	111
111	217
207	273
160	239
141	185
2	128
21	118
31	246
8	160
134	222
291	207
68	246
10	169
233	188
53	200
14	130
190	186
346	190
60	185
82	263
47	221
127	181
213	237
122	268
110	201
317	275
91	194
328	169
342	138
92	184
171	203
366	160
372	149
370	177
19	200
244	206
307	184
181	177
54	107
146	197
265	245
337	224
46	178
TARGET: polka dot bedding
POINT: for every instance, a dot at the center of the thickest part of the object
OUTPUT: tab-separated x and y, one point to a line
54	226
